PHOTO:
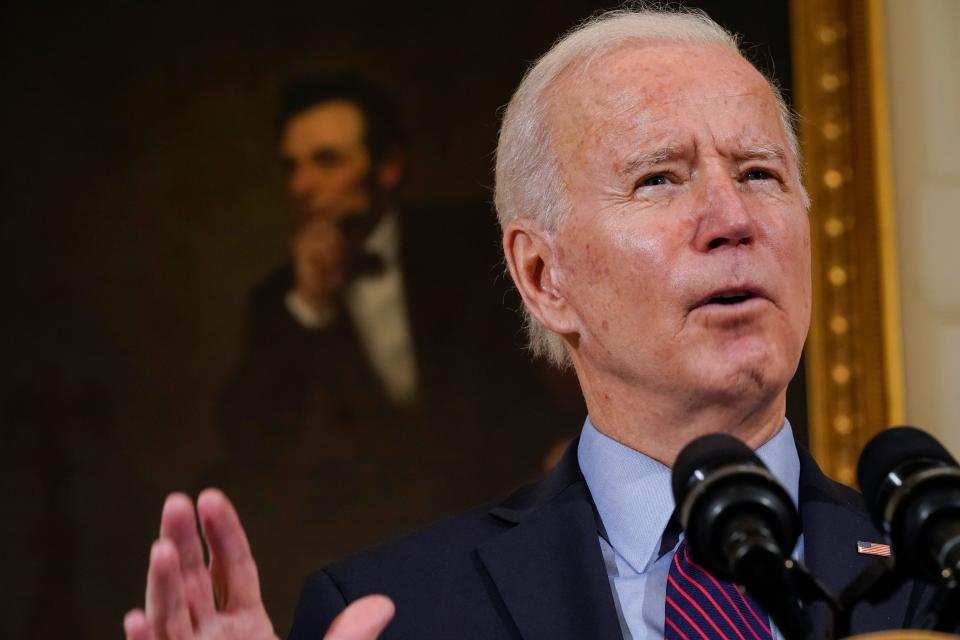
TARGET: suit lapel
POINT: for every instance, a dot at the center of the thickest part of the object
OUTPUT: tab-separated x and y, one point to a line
834	519
548	569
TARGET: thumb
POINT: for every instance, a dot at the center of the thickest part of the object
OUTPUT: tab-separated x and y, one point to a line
364	619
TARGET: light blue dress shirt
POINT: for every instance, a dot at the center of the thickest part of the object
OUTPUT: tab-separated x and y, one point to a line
634	501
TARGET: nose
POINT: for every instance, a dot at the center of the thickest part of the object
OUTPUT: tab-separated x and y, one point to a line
724	218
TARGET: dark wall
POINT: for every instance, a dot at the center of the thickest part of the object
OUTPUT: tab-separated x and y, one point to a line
140	199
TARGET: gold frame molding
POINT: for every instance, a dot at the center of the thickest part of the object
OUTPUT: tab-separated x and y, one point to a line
854	353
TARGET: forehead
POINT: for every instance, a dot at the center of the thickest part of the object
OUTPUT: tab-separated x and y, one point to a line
333	123
643	91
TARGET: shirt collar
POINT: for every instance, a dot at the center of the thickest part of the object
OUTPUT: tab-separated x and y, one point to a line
633	495
384	239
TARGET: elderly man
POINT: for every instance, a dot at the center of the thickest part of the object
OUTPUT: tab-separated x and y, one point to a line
655	224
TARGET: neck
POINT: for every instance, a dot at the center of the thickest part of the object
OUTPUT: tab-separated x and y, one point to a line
660	426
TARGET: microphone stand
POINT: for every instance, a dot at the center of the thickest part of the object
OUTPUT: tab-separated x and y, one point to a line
943	613
875	584
880	580
810	590
779	585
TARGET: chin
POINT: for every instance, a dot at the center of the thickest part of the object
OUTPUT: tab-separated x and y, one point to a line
756	377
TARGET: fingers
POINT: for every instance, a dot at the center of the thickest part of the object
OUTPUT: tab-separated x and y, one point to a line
319	256
167	608
320	239
364	619
136	626
179	525
232	568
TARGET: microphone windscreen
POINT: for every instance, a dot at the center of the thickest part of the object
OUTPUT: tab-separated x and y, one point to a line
708	452
891	448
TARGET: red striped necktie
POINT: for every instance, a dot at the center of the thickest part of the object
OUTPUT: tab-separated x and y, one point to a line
702	607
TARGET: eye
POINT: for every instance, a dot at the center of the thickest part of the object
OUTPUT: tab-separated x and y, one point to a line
328	158
654	181
758	174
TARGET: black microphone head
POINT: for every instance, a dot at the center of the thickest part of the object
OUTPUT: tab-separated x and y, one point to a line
888	450
723	489
912	487
704	454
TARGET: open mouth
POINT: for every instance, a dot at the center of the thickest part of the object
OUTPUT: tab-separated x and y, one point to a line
730	298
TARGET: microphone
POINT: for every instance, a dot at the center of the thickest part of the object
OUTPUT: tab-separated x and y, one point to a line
730	505
741	524
912	488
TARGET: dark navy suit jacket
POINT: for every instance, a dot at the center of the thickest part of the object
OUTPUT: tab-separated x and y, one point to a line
530	567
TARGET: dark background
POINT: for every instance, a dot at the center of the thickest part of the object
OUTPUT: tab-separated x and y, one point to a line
141	198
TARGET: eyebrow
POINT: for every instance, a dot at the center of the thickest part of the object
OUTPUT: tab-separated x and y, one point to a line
769	152
646	159
762	152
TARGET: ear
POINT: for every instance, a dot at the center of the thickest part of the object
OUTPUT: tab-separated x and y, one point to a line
537	274
390	170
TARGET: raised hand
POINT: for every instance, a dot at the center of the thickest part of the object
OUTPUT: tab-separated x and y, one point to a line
319	255
186	600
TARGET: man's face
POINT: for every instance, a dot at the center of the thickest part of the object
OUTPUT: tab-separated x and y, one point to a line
685	256
328	166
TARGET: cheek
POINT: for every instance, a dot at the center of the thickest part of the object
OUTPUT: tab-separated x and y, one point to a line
618	280
788	235
355	180
348	178
616	260
661	266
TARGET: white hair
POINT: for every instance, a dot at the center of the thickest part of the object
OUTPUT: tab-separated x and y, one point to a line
528	181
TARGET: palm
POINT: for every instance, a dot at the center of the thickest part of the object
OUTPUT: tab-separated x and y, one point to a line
229	626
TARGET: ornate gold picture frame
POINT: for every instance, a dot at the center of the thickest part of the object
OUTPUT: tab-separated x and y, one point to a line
853	354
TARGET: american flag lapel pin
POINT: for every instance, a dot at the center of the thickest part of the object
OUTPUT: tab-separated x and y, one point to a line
873	548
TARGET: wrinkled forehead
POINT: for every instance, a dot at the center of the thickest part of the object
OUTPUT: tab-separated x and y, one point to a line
623	87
